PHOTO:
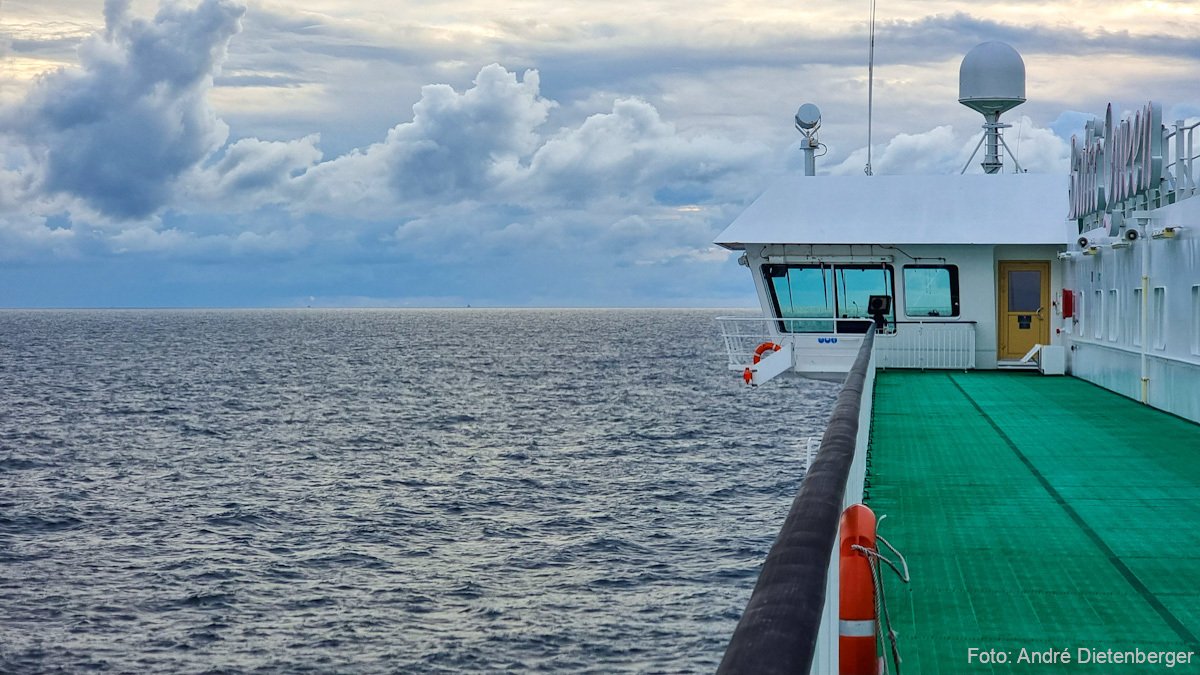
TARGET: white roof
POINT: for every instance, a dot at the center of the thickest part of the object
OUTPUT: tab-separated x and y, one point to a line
965	209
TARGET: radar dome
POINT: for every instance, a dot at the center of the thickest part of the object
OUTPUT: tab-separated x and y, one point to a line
991	78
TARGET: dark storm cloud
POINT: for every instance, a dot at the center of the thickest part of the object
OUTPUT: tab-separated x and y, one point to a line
119	131
943	36
57	46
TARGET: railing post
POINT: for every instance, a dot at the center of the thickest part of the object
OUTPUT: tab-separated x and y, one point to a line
1191	161
1181	162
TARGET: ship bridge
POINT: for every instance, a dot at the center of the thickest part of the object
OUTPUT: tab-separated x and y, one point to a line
953	271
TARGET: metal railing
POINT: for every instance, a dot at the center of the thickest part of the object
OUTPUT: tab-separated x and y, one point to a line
1181	155
934	345
944	345
743	334
779	629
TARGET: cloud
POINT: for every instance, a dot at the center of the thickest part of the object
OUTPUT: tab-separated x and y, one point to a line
25	229
941	36
1070	123
1039	150
22	237
131	137
120	130
943	151
175	242
456	147
457	142
477	173
631	153
481	165
252	173
597	162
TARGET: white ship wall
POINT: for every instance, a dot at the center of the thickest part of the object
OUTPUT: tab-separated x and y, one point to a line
1109	351
977	274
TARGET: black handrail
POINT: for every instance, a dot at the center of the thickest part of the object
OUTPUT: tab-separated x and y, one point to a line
778	631
859	324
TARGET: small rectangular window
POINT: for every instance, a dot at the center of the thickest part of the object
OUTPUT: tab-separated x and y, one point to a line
1024	290
931	290
1196	320
1079	313
1160	318
1113	315
1099	307
1135	317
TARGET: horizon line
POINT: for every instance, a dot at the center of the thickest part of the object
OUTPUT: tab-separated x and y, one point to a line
357	307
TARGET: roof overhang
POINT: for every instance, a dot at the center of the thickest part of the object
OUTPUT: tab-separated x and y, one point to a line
948	209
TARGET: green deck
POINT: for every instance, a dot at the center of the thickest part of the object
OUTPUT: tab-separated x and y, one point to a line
1035	512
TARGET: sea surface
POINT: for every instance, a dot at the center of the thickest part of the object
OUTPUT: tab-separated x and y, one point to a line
384	491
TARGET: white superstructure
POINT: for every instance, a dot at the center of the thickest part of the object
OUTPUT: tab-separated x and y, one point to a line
1133	264
1095	274
1098	272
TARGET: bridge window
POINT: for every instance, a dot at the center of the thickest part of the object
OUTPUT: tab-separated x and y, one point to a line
821	294
931	290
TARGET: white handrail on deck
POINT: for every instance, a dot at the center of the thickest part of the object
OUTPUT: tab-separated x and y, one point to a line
1180	151
743	334
947	345
925	344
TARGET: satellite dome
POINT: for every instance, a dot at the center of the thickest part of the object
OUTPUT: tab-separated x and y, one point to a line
991	78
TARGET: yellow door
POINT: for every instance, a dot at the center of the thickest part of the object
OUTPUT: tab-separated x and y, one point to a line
1024	304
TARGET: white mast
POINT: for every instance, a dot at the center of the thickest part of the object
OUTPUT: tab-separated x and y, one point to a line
870	87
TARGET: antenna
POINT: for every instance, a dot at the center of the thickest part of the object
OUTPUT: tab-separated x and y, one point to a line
991	81
870	86
808	120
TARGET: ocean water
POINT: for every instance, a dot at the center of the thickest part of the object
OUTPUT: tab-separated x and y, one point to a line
383	491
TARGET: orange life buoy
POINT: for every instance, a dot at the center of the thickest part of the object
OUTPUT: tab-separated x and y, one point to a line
857	652
763	349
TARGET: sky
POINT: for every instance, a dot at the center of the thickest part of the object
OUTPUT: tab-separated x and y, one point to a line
350	153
